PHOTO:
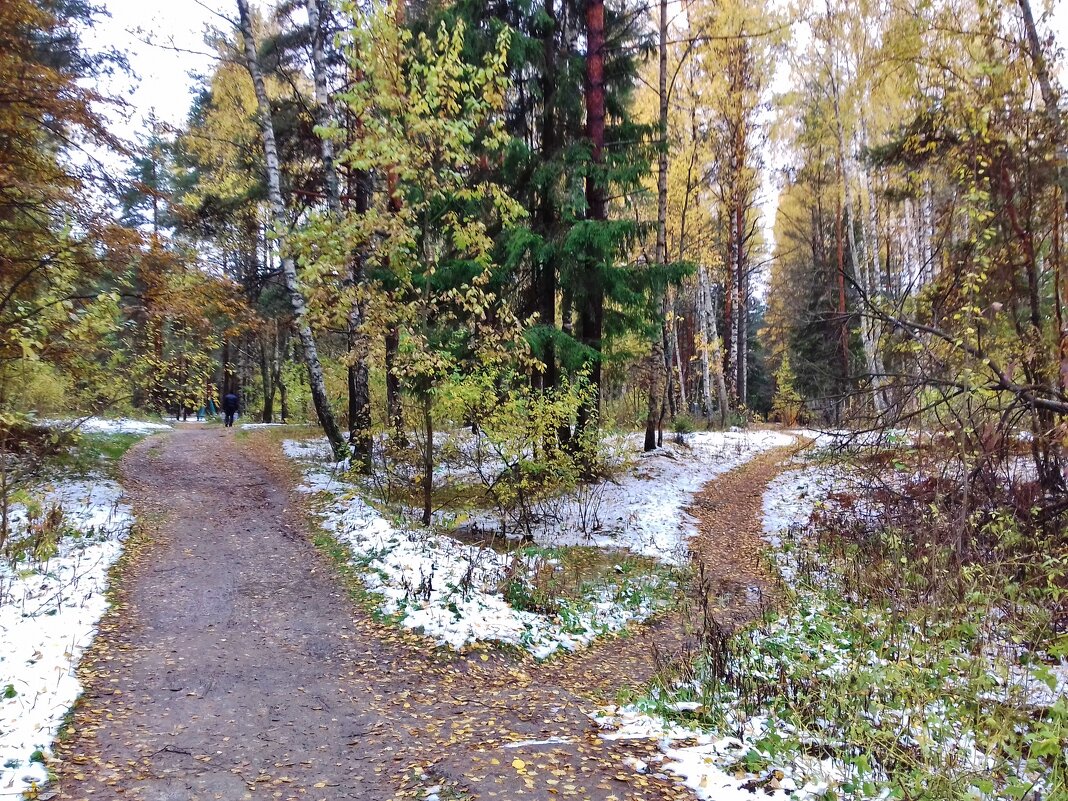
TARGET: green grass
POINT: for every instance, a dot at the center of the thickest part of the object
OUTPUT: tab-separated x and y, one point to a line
94	451
349	569
894	694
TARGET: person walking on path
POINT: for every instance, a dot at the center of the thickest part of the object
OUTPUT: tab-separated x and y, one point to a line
230	404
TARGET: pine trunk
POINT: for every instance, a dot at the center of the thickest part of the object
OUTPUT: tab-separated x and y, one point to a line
359	384
546	280
657	360
857	255
394	202
267	415
428	461
591	308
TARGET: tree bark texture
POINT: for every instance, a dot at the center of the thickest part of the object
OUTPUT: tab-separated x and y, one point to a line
316	378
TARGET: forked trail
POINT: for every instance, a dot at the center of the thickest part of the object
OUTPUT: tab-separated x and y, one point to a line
235	665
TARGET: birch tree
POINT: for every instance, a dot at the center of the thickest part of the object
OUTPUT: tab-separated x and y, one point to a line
316	378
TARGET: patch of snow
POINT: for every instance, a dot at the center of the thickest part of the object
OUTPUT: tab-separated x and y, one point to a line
697	765
48	617
315	449
101	425
709	764
644	510
452	592
254	426
556	740
812	640
788	504
792	497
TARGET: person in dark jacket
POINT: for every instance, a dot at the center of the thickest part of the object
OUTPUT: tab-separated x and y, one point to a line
229	405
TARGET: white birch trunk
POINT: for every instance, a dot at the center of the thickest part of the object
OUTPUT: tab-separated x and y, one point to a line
857	254
278	216
683	403
927	233
322	106
702	317
711	352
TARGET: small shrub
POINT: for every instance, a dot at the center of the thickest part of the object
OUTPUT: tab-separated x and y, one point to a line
683	424
532	585
787	404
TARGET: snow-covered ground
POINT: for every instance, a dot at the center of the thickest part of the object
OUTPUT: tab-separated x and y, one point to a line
825	641
48	616
710	763
102	425
453	592
644	509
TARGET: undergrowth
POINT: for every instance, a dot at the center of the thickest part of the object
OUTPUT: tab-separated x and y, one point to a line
895	668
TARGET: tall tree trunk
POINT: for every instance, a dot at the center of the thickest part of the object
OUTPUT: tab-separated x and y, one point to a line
730	305
591	308
393	400
394	202
359	384
546	278
267	415
428	460
242	374
563	432
683	402
743	334
657	356
857	256
1050	101
322	105
283	390
667	348
1051	105
927	233
712	354
706	353
316	378
843	314
277	355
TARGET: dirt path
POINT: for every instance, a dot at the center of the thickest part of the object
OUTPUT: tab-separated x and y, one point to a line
235	666
728	551
732	583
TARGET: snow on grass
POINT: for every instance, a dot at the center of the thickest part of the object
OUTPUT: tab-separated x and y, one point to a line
863	685
451	592
317	449
714	766
789	502
102	425
792	497
644	509
454	593
48	617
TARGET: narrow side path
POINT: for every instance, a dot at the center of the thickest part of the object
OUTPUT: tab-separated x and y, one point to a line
727	557
730	572
728	550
